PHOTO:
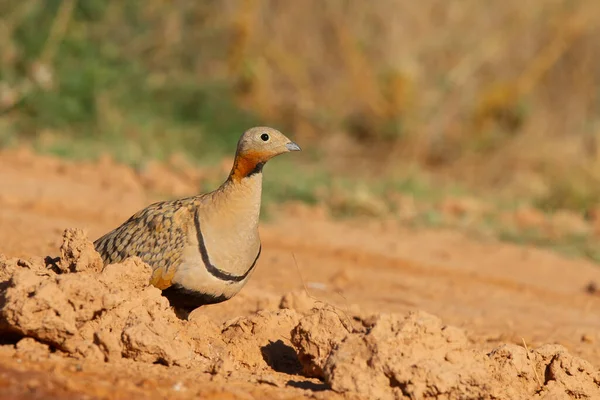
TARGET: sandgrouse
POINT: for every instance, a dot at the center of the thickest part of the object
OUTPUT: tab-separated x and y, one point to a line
203	249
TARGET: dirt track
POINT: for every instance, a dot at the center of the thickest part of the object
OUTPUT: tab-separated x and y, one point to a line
498	293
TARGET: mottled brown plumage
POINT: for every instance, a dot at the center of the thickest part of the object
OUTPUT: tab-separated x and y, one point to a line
202	249
156	234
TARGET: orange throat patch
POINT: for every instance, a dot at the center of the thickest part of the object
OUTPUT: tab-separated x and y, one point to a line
246	165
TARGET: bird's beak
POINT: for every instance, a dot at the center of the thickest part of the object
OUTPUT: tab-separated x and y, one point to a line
291	146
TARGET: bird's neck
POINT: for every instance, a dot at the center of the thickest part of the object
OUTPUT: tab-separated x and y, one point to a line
241	194
245	166
238	199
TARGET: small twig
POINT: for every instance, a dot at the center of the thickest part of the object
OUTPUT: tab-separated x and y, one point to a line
58	30
302	278
321	301
347	311
537	377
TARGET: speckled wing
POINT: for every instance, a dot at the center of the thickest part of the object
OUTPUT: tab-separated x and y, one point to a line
156	234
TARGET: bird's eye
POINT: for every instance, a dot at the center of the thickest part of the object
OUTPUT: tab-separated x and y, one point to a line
264	137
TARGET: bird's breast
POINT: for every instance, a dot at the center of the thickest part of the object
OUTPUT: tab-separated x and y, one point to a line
220	257
229	239
224	245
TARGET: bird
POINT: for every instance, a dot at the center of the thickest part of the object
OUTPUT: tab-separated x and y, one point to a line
203	249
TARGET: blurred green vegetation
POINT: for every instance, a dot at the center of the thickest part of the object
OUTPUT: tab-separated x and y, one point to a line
435	82
499	97
84	77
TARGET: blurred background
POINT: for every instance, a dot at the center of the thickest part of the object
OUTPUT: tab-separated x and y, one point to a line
478	115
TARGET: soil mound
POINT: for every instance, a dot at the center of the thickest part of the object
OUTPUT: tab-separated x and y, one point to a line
74	306
418	357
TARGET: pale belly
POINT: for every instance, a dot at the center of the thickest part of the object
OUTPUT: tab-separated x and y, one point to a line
219	279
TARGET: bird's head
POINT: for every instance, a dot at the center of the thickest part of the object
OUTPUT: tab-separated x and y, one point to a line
257	146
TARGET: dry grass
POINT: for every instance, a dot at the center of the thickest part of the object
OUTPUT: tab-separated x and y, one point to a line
502	95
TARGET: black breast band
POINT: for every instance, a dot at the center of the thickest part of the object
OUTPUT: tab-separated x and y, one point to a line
214	271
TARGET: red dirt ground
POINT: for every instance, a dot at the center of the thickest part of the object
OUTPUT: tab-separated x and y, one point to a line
496	292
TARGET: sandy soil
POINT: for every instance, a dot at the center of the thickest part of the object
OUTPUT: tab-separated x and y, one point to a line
400	313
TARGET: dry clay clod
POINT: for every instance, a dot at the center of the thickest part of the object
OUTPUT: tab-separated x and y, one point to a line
418	357
114	313
77	253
